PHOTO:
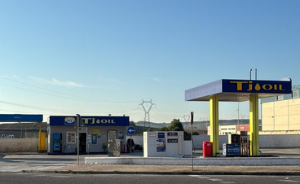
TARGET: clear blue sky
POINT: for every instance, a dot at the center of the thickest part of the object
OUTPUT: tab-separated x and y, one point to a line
99	57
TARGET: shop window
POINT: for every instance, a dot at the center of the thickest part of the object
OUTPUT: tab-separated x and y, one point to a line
71	138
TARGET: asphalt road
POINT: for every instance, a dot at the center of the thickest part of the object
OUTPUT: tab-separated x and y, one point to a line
37	178
15	163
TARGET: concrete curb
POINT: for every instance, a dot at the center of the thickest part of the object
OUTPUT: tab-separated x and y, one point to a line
216	161
167	173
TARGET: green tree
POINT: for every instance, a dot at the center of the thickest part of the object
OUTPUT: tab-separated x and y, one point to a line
149	130
196	133
164	129
175	125
131	123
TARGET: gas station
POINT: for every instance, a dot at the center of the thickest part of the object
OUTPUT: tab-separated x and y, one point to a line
232	90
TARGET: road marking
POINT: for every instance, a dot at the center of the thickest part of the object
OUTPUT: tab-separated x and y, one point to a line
199	176
215	179
206	177
289	181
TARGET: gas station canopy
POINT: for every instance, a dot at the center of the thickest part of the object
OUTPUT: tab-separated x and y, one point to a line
233	90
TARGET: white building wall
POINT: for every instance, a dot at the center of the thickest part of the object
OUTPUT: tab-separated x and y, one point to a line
179	149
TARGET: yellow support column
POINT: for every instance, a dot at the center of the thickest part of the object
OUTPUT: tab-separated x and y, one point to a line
40	130
214	123
254	131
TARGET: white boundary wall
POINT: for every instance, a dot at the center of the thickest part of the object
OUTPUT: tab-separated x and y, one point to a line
19	145
279	141
265	141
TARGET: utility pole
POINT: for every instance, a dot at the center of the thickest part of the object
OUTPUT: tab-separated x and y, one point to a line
192	121
147	110
203	125
242	117
255	74
78	121
206	122
238	114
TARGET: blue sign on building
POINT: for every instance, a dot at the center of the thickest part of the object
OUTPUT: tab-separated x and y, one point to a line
90	121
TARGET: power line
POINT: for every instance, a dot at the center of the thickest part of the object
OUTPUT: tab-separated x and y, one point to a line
160	112
56	110
33	91
132	110
32	107
65	95
34	86
12	111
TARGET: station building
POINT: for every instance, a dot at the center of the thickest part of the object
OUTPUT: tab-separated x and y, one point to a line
94	133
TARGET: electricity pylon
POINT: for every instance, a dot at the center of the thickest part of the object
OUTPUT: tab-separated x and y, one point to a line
147	105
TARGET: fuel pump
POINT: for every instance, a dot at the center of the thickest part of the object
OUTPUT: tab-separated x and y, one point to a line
245	144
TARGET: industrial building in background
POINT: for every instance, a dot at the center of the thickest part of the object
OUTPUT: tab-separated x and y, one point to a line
281	114
231	129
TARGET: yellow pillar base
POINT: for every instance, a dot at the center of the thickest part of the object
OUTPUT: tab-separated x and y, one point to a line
42	139
254	130
214	123
40	130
